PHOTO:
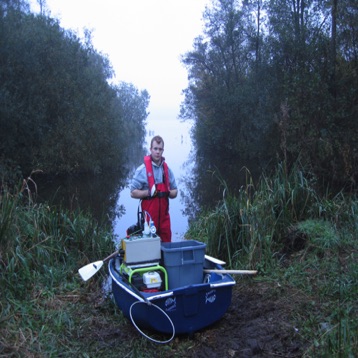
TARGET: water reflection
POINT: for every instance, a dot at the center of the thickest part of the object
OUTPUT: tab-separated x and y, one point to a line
209	176
97	194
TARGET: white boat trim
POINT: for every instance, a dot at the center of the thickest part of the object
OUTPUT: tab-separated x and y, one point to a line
220	284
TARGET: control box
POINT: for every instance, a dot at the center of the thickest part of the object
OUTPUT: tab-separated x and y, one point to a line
141	249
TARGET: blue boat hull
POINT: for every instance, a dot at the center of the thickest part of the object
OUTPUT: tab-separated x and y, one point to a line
189	308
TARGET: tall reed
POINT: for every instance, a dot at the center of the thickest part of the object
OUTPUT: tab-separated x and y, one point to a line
258	228
41	249
37	240
250	227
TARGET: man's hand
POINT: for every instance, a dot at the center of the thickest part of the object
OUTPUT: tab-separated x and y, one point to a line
152	192
173	193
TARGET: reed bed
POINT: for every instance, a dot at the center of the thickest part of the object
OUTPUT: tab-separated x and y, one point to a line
286	230
41	249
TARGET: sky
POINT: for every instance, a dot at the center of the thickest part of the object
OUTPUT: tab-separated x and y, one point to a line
143	39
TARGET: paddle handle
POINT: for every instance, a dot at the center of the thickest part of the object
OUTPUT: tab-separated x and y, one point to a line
238	272
110	256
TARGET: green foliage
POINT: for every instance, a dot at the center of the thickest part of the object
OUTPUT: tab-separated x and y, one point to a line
305	242
302	240
277	79
41	249
131	106
320	233
57	110
34	238
255	220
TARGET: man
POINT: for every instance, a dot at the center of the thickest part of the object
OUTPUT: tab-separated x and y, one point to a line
154	184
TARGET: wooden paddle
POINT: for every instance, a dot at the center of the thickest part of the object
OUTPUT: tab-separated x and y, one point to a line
86	272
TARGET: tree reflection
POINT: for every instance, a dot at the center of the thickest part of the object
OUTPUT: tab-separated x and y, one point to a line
96	194
207	177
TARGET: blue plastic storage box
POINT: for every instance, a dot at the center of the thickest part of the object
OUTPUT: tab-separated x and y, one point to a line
184	262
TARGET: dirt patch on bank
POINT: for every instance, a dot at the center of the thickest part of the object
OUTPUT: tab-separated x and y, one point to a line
259	323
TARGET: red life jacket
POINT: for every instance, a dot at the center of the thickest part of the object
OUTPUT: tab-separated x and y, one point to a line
158	205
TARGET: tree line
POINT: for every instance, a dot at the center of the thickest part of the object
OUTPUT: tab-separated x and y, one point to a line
58	110
276	81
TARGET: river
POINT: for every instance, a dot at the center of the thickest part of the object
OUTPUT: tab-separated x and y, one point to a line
108	196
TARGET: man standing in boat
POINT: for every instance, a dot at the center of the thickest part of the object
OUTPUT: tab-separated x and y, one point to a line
154	184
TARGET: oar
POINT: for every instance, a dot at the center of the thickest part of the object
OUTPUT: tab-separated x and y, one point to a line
238	272
86	272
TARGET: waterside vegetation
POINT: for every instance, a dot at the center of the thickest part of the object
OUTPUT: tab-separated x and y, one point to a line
304	242
300	241
275	79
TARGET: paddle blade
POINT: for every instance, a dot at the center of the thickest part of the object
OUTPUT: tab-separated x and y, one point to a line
86	272
215	260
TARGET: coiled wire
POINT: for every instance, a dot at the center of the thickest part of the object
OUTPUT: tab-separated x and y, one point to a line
141	332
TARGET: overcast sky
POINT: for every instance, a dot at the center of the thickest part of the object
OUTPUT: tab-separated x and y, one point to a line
143	40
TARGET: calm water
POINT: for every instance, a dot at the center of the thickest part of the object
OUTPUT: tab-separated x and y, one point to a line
177	147
109	195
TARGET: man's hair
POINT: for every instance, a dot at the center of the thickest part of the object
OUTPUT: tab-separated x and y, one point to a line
157	139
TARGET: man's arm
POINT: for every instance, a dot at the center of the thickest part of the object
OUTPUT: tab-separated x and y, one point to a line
173	192
142	194
139	194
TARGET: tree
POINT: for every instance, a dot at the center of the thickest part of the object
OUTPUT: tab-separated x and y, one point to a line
57	109
304	50
132	106
259	58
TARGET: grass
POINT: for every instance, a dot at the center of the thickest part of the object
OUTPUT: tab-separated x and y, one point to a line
291	234
304	242
46	310
40	252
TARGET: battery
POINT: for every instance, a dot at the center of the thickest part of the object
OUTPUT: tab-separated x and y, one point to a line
137	281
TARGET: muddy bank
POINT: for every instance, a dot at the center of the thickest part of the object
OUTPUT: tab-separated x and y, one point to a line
259	323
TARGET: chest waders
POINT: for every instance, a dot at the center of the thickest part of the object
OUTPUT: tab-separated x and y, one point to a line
157	204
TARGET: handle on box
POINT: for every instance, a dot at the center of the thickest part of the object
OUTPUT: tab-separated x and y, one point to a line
188	257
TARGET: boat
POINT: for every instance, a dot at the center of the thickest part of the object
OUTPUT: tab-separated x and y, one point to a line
167	287
178	290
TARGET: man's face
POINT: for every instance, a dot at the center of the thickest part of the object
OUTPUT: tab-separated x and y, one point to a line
156	152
